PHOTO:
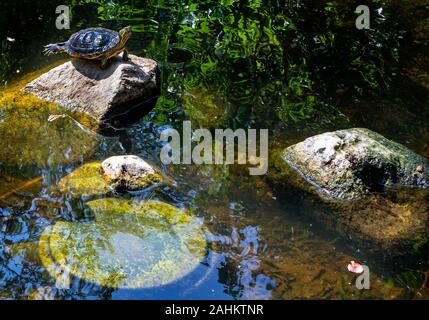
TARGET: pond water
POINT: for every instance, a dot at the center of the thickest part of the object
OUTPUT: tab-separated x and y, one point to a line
298	68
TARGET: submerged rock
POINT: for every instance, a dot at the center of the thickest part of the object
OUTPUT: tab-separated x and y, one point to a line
129	172
127	245
115	173
206	109
81	85
27	139
346	164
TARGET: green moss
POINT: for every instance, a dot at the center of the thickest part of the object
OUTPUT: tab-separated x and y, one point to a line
86	180
28	138
129	244
89	180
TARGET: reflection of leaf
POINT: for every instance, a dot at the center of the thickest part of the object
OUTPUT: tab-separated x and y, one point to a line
147	27
54	117
208	67
267	58
418	246
410	279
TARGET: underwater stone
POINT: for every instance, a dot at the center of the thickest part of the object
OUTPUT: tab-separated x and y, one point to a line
347	164
206	109
81	85
27	139
128	244
129	172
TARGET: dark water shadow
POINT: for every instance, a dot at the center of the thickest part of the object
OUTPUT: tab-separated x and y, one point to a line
179	55
125	115
115	123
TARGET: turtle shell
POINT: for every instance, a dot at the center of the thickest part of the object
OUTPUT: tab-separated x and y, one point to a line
92	42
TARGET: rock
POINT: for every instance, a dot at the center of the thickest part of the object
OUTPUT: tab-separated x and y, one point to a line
27	139
346	164
383	216
129	172
87	180
129	244
81	85
206	109
115	173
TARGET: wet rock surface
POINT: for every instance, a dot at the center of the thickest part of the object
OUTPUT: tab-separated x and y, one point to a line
347	164
129	172
81	85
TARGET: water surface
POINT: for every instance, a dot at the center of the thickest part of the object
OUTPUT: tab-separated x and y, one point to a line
296	67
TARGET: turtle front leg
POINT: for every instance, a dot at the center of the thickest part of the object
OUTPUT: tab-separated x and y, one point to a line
103	63
125	55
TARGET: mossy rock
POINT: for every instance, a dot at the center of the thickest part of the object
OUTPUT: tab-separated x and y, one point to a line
27	138
389	224
86	180
90	180
346	164
127	245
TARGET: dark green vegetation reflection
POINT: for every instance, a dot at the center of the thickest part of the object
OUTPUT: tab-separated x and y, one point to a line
296	67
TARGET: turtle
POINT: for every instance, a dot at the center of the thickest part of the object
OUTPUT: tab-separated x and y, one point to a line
93	44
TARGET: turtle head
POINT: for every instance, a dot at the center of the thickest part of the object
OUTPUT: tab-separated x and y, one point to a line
125	34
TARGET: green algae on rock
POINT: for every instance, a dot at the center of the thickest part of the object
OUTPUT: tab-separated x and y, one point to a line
28	139
128	245
86	180
91	179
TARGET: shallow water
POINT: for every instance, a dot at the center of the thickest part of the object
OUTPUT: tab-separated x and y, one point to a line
219	71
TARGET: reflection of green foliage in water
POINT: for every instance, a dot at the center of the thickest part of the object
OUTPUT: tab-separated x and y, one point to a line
129	244
268	56
205	109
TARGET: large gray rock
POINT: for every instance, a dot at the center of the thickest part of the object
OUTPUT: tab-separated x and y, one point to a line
129	172
356	183
81	85
346	164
